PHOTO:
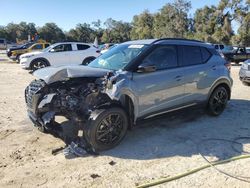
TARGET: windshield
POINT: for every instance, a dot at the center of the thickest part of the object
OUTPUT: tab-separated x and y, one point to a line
27	45
48	48
118	57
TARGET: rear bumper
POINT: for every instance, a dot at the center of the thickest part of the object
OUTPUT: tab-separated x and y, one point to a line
12	57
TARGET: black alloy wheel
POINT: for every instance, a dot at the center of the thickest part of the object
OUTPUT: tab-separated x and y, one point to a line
218	101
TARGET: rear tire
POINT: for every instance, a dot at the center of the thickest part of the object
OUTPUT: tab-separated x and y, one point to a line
218	101
87	60
38	64
106	128
18	58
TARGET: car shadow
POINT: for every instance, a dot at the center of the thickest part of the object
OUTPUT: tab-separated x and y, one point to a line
185	132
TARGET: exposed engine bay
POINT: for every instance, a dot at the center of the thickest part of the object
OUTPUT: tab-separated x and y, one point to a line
74	99
87	97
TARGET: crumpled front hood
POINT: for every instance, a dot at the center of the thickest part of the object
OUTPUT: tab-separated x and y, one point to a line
54	74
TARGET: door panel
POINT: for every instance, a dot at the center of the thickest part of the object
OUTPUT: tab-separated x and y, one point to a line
199	70
60	55
158	90
162	89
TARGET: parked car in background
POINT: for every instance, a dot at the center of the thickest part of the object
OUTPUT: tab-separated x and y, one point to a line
244	73
15	54
248	49
66	53
3	43
18	47
238	55
107	47
132	81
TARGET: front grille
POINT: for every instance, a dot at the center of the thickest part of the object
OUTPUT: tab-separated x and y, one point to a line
31	92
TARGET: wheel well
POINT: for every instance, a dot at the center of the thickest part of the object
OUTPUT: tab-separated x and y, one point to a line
226	87
128	106
47	62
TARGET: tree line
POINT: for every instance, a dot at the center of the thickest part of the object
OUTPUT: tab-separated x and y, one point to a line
210	23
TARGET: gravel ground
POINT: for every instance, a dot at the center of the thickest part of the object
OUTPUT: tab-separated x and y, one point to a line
161	147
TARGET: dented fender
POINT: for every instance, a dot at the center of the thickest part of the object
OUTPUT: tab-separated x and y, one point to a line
119	86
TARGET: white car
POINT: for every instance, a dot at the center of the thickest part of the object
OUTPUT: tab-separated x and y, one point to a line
66	53
244	73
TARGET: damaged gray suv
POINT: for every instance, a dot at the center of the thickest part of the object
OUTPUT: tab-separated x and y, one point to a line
133	81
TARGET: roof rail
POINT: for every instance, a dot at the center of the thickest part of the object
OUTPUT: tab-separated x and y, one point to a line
183	39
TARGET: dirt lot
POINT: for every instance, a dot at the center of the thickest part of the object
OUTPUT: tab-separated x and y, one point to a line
161	147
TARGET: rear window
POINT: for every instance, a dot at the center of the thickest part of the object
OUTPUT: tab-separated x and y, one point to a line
38	47
82	46
205	54
191	55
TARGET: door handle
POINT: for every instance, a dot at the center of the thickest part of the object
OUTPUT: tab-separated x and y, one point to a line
214	67
178	78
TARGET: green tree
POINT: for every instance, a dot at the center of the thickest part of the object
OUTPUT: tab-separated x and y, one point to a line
142	26
82	32
172	20
51	33
3	33
204	23
116	31
243	18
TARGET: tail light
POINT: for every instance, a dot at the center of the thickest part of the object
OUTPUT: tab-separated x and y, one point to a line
228	65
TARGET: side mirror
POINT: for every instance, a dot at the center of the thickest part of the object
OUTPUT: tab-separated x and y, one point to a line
146	68
52	50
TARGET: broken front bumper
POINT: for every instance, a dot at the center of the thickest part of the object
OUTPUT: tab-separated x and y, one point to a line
36	102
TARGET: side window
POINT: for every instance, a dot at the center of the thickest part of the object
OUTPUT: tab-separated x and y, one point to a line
82	46
37	47
63	48
47	45
205	54
162	57
191	55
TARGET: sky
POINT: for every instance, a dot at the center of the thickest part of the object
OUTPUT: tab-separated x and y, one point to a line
66	14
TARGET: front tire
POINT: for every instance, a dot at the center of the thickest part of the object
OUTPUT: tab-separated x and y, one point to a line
38	64
218	101
106	128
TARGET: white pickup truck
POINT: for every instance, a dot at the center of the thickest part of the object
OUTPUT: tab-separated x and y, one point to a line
58	54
